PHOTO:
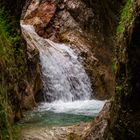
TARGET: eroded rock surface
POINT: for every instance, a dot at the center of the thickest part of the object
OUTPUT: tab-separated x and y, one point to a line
55	133
121	119
82	25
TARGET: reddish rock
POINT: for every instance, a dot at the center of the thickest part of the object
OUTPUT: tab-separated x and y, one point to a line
40	16
46	11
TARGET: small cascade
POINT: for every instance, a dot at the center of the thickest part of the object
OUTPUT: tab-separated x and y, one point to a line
67	88
63	75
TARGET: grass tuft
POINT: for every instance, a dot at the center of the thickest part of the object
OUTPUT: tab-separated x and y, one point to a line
126	17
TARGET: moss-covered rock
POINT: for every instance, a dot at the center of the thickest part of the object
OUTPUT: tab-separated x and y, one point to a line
19	74
122	117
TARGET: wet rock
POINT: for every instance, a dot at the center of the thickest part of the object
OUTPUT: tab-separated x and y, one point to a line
54	133
97	129
33	85
121	118
39	14
82	26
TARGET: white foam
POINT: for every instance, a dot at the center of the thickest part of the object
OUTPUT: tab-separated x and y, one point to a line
85	107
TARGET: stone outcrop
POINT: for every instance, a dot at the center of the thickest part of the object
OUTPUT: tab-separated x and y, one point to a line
120	121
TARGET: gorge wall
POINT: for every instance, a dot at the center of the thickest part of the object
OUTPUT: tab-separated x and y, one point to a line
119	119
20	74
89	27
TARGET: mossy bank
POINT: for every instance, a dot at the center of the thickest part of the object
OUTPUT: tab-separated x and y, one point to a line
18	86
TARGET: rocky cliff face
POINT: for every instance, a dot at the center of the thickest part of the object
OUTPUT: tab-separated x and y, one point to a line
20	70
126	107
30	83
119	119
88	27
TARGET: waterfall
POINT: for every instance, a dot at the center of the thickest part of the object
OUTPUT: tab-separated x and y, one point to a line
67	88
64	77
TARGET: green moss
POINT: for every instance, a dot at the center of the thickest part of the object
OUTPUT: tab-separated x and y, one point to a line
7	28
16	129
114	67
119	88
126	17
5	131
11	69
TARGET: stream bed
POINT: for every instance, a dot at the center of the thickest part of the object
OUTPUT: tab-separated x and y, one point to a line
60	113
59	120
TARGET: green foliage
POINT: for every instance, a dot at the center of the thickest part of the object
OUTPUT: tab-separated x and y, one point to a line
12	58
5	131
16	129
125	17
119	88
6	28
114	67
5	43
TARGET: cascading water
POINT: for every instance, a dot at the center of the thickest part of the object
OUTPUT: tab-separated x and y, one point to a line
67	88
64	77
